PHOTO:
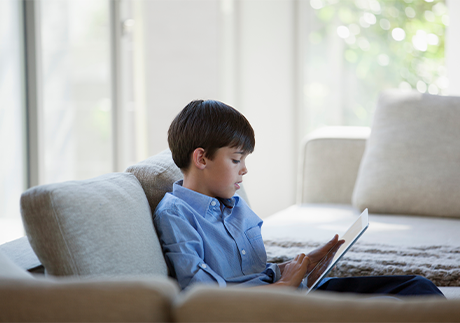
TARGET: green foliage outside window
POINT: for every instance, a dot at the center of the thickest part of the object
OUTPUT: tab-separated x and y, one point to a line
384	44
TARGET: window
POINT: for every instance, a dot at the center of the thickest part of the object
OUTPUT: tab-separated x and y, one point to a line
12	130
73	116
77	109
357	48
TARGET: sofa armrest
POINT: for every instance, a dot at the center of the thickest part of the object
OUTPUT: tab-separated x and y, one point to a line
22	254
329	163
120	299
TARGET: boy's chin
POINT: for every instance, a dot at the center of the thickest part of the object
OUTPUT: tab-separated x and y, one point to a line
228	195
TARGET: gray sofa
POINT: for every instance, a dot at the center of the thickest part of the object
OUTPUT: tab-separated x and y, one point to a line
102	260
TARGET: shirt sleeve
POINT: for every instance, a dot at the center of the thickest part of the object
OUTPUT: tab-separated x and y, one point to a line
270	275
183	248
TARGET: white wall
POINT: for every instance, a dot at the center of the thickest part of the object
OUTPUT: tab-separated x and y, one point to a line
181	60
266	89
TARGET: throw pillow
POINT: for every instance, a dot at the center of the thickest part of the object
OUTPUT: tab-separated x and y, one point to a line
157	175
411	164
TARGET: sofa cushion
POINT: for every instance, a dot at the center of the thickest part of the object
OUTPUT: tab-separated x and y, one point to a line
157	175
237	304
99	226
412	159
121	299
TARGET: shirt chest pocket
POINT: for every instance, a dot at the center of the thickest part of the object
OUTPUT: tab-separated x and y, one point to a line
254	237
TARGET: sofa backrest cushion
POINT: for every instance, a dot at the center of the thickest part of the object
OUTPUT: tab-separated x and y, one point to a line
157	175
411	164
96	227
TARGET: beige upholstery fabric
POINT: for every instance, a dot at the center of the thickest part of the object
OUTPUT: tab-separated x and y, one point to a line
8	269
120	300
99	226
329	164
22	254
157	175
411	164
213	304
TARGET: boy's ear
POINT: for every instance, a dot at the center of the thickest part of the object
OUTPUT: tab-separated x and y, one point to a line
198	158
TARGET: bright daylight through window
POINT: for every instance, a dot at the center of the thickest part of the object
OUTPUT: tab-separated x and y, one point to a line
12	131
356	48
75	119
76	89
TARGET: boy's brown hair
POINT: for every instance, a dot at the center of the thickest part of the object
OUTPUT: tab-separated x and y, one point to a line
209	125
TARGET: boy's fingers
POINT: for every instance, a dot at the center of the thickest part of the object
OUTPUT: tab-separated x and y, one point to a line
340	243
300	257
333	241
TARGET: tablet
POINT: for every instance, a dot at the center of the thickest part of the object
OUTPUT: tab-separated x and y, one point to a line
330	260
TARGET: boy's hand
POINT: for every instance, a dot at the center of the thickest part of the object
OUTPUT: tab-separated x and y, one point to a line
315	268
293	272
282	265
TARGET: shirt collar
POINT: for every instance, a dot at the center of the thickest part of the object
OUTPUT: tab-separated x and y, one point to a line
198	201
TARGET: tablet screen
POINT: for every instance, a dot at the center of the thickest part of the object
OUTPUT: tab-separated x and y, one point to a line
330	260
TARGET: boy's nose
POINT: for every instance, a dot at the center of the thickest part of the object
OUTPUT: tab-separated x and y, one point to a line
244	171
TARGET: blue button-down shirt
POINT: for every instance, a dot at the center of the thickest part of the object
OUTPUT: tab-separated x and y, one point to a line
211	240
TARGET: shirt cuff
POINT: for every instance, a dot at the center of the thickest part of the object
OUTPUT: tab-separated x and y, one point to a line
273	271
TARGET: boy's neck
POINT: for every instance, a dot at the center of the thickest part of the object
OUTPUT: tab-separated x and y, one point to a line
192	182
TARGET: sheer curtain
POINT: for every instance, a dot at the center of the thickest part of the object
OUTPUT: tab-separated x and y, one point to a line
12	129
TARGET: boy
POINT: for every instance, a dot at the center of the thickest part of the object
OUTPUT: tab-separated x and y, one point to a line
210	235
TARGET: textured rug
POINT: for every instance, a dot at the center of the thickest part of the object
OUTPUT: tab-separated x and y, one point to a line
440	264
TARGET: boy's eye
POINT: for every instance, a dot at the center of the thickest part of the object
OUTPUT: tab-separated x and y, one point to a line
235	161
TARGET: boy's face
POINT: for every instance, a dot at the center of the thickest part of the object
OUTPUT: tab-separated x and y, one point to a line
223	174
